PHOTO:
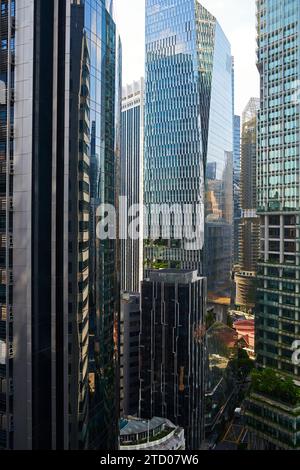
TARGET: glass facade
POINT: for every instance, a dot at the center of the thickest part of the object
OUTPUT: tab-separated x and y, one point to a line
249	226
7	54
130	325
273	425
219	172
105	98
132	156
59	158
79	195
277	189
99	121
172	349
236	183
237	147
189	134
278	297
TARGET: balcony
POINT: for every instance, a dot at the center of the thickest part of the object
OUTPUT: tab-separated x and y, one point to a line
4	203
10	350
6	312
3	240
6	277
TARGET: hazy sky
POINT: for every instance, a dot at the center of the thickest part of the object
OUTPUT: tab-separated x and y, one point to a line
237	18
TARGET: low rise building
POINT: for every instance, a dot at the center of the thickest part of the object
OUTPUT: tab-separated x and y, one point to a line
246	331
155	434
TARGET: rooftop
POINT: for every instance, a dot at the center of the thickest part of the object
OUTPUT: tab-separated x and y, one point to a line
157	433
137	426
130	297
174	276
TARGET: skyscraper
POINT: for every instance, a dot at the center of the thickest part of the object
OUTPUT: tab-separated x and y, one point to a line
236	184
105	189
61	109
189	138
249	227
172	348
7	69
236	170
130	326
273	415
132	156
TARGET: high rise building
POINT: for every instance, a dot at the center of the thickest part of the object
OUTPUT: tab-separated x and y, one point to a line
236	184
249	227
273	415
61	107
7	84
132	156
236	171
172	349
189	138
105	188
130	325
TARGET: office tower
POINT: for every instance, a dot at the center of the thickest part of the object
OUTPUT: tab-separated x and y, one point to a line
236	184
172	348
249	227
273	408
188	139
132	156
236	171
7	68
129	353
105	188
52	119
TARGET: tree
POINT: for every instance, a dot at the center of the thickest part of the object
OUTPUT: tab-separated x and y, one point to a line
276	386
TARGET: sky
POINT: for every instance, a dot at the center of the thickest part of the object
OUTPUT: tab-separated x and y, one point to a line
237	19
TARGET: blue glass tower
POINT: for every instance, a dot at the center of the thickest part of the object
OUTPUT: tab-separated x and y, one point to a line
105	121
189	135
